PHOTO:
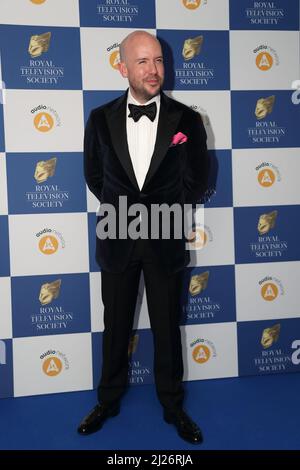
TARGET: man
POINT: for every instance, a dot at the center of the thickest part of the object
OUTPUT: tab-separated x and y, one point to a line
152	158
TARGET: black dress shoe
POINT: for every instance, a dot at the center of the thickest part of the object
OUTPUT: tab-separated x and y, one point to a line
186	428
94	421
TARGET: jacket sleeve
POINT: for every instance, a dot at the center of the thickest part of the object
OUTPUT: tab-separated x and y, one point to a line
93	170
198	164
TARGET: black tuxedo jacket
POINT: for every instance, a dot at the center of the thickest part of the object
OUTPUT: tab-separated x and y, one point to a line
177	174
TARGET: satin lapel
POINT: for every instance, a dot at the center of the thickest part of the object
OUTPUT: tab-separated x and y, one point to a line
168	120
116	120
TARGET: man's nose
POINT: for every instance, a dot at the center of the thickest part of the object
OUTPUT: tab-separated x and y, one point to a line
153	67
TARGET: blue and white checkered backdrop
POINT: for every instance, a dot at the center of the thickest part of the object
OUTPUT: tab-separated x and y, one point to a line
234	61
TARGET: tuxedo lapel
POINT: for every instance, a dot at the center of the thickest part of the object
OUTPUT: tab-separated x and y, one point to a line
168	120
116	120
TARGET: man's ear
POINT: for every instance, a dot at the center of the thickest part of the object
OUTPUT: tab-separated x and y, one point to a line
123	69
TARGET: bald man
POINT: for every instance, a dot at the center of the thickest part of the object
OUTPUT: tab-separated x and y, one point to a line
149	149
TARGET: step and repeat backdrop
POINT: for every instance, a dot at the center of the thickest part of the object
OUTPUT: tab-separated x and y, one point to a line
232	61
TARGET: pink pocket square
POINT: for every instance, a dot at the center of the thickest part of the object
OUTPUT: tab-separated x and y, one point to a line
178	139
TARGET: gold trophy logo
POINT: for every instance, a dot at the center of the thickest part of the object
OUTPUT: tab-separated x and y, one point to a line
198	283
38	44
192	47
270	336
133	342
44	169
264	106
266	222
49	292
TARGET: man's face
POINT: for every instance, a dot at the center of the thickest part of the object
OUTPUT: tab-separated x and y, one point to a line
144	68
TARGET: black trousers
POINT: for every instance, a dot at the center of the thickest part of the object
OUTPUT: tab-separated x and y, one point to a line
119	295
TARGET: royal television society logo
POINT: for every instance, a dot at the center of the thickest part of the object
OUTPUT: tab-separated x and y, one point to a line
137	370
39	70
200	306
264	13
267	174
270	288
193	70
199	238
114	56
45	118
266	131
116	11
44	194
54	362
266	58
202	350
271	358
193	4
50	241
268	243
51	316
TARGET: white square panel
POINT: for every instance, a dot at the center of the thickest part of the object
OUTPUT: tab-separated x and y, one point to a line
192	14
209	104
3	185
100	58
209	351
40	12
46	121
263	60
267	291
48	244
52	364
214	242
265	177
5	308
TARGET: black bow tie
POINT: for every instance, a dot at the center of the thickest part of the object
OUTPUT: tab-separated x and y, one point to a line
136	112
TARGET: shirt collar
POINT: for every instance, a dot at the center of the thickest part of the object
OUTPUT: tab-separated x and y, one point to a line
131	99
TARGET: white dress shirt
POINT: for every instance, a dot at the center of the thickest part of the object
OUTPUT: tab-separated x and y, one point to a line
141	137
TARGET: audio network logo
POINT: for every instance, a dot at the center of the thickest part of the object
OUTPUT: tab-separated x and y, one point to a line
50	241
265	58
54	362
270	288
199	237
193	4
45	118
267	174
37	2
202	350
114	55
